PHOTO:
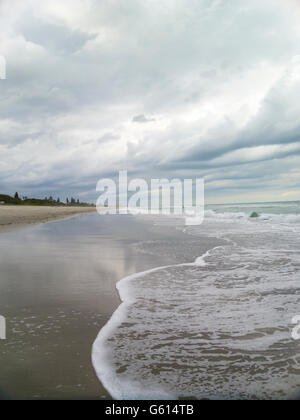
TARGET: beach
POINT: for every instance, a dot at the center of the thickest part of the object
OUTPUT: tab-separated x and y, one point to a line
150	202
101	307
16	216
58	290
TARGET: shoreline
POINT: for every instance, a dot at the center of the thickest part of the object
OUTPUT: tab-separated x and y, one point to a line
12	217
52	324
66	293
100	354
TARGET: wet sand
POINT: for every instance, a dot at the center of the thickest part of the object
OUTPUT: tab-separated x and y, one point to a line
57	290
16	216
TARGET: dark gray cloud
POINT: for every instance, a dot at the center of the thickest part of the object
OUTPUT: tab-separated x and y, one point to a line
108	137
55	37
142	119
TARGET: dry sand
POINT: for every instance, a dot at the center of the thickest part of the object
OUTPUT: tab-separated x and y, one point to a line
15	216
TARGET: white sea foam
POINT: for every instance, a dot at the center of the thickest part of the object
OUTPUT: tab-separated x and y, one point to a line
218	328
243	216
101	355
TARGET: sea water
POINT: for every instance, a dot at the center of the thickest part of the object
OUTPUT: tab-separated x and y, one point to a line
216	327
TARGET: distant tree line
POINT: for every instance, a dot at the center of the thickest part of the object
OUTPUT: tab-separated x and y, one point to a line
47	201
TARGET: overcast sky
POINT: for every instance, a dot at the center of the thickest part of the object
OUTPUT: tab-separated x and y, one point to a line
172	88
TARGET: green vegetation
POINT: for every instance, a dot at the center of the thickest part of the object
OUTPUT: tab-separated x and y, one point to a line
47	201
6	199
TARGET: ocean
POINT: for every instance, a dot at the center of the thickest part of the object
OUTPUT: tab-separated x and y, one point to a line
214	325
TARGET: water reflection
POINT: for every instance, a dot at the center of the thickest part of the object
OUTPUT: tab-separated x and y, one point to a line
57	289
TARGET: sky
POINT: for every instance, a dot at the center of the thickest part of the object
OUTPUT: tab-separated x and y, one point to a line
163	89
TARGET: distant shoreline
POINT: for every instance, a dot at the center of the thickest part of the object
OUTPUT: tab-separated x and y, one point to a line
12	216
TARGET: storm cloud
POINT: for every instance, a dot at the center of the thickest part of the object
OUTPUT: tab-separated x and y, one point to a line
175	89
